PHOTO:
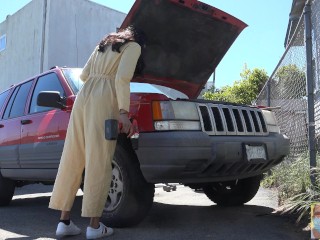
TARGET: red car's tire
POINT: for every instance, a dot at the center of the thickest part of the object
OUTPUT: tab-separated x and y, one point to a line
7	187
233	193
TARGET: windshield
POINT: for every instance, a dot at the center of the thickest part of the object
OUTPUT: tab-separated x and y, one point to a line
73	77
152	88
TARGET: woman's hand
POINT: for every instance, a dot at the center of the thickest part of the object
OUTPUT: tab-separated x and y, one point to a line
127	127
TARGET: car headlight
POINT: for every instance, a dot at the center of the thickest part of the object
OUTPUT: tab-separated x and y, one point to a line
175	115
271	121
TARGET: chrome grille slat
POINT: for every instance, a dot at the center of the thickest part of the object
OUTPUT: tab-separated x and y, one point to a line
229	120
220	119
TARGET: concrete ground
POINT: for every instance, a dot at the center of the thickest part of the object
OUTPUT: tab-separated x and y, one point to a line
181	214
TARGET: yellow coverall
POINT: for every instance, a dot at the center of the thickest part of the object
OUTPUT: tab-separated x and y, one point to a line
106	90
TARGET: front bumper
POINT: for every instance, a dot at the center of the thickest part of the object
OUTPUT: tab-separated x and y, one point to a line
195	157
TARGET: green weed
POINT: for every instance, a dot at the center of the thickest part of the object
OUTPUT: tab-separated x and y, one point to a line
292	179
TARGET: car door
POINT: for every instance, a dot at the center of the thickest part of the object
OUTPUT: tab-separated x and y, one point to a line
43	134
11	126
3	99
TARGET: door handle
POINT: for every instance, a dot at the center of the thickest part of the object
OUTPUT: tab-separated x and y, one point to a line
1	125
26	121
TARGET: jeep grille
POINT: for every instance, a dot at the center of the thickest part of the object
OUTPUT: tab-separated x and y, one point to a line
219	119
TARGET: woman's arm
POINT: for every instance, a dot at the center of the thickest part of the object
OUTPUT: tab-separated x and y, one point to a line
125	73
87	67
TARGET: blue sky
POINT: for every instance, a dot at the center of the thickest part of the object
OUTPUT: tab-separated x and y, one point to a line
260	45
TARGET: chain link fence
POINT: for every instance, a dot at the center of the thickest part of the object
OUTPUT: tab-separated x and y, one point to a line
316	65
287	86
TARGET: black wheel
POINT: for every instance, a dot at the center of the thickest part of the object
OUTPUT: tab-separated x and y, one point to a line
233	193
130	196
7	187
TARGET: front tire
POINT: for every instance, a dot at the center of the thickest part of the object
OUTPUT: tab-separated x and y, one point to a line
130	196
7	187
233	193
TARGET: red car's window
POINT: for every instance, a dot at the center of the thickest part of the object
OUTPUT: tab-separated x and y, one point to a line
17	102
3	97
49	82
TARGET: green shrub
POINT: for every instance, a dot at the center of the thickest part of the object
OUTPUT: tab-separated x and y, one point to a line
295	191
290	178
301	203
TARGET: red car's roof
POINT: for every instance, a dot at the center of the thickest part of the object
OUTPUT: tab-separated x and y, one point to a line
186	41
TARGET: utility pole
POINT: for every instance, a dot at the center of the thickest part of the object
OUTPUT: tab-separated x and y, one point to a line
310	89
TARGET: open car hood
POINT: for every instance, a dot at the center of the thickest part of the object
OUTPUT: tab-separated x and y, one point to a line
186	41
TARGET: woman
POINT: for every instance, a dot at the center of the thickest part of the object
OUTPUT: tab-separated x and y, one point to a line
105	95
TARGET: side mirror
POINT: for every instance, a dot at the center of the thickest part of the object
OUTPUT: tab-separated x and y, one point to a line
50	99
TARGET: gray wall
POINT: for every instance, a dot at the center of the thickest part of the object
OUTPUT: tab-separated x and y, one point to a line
74	32
21	58
47	33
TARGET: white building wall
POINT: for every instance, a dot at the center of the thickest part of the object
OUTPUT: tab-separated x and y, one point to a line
21	57
47	33
74	28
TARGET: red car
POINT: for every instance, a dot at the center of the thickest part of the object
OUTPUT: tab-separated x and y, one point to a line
221	148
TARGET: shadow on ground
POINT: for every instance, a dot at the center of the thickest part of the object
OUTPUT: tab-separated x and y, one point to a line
30	218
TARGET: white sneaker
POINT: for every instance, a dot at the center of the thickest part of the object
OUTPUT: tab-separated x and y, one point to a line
67	230
102	231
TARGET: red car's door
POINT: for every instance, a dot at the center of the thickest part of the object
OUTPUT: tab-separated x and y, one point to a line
43	134
12	120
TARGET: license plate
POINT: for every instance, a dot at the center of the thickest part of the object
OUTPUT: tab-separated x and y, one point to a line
256	152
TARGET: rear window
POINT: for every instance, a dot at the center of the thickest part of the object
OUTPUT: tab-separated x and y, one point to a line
3	97
17	102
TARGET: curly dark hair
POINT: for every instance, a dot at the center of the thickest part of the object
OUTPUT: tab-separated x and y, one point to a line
118	39
123	36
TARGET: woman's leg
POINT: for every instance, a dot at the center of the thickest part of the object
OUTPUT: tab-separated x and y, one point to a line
65	215
100	106
95	222
69	176
70	173
72	163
